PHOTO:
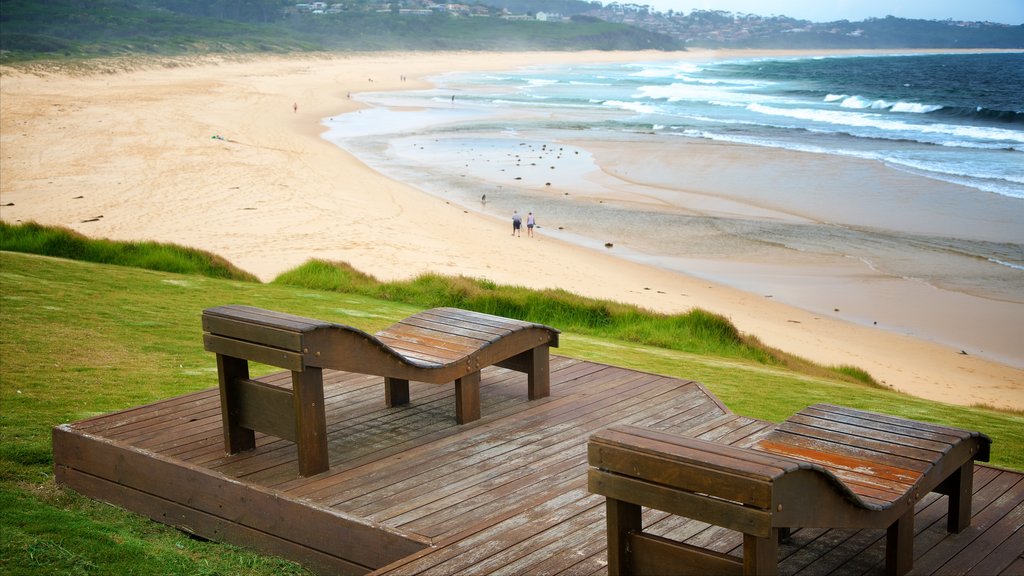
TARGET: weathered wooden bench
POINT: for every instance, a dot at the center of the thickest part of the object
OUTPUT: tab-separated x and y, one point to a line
825	467
437	346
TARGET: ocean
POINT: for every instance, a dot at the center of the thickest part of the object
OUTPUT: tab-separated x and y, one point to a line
908	168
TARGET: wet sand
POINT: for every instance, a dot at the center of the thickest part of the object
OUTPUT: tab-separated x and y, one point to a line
129	153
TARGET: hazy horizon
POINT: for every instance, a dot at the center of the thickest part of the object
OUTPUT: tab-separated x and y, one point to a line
1002	11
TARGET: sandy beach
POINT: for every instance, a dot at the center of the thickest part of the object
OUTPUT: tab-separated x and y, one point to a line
227	156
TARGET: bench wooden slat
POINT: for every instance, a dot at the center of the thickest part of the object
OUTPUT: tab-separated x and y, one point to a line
431	337
728	514
254	331
859	471
910	425
865	449
265	408
282	358
693	450
423	353
484	333
932	443
430	346
750	490
483	322
269	318
657	555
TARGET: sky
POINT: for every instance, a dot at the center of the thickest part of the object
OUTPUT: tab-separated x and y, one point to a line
1005	11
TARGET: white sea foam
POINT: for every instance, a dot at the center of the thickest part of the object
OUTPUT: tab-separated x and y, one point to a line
727	104
972	176
693	80
861	103
667	71
858	102
655	73
637	107
540	82
915	108
977	136
1007	264
766	142
536	103
956	169
682	92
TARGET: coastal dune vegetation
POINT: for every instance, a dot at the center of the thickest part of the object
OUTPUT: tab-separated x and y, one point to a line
95	326
61	29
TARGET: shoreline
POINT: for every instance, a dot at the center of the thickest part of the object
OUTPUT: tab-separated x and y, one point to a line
272	194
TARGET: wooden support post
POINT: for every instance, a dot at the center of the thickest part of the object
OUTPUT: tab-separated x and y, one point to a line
396	392
761	555
230	370
539	373
624	518
467	398
899	545
310	421
960	489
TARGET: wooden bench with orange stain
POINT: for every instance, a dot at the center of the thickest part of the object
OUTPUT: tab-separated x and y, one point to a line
825	467
435	346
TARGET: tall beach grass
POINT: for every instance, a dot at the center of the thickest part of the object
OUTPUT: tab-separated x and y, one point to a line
61	242
697	331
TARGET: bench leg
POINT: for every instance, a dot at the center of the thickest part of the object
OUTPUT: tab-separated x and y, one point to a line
960	489
539	374
536	362
623	519
761	555
230	371
396	392
899	545
467	398
310	421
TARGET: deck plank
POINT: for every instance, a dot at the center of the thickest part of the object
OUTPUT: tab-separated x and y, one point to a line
502	495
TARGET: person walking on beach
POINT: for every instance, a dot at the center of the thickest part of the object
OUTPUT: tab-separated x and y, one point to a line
530	222
517	223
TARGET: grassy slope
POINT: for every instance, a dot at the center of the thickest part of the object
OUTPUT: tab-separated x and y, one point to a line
80	339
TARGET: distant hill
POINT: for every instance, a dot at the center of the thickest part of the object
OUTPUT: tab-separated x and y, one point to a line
720	29
77	28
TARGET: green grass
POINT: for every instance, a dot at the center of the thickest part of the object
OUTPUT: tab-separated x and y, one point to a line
83	338
65	243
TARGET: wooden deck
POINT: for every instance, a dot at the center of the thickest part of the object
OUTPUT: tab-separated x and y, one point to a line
409	491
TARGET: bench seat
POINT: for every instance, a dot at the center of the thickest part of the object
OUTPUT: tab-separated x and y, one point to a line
436	346
825	467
